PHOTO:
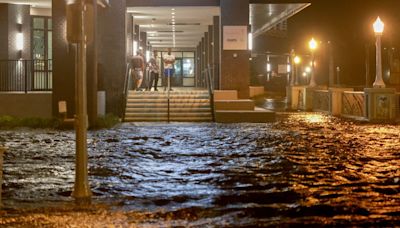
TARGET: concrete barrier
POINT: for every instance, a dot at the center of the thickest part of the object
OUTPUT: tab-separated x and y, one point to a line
225	95
256	91
26	105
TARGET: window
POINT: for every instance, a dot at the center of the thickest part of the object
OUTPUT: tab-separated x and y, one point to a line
42	52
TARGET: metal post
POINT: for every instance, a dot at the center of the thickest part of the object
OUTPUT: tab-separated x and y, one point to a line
169	88
81	187
379	83
312	79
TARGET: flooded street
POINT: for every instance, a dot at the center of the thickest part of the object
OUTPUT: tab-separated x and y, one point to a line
306	168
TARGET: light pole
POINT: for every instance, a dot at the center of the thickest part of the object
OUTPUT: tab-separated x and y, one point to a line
378	29
312	45
297	61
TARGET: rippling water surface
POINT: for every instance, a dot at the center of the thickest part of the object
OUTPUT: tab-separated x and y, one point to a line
303	169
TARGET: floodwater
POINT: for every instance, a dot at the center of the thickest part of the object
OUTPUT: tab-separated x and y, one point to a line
304	169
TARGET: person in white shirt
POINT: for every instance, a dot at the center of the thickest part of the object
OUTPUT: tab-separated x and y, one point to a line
154	71
169	70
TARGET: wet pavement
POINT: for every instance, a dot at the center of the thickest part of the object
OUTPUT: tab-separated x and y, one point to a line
304	169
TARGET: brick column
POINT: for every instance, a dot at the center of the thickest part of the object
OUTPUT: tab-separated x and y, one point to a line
63	61
112	53
216	47
235	66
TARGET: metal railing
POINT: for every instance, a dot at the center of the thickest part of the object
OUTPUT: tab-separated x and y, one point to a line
26	75
353	104
210	87
127	84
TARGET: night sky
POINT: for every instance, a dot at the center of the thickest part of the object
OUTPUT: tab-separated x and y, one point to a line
347	24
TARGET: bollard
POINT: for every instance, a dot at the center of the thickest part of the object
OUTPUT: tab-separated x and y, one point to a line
2	150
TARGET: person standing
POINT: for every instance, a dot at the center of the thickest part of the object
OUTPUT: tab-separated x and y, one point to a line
154	69
169	70
137	68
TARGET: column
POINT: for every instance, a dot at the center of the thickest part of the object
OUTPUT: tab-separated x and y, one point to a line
216	48
112	53
235	66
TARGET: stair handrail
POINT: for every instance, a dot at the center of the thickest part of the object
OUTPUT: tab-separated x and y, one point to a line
126	89
210	86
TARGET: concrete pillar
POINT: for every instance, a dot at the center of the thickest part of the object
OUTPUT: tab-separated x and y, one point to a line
198	65
91	70
112	53
216	47
202	59
381	104
63	61
206	51
210	49
296	97
129	34
336	94
235	66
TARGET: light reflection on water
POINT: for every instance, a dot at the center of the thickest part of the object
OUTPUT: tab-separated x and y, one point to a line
306	168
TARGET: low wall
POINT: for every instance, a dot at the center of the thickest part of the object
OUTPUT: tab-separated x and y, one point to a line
26	105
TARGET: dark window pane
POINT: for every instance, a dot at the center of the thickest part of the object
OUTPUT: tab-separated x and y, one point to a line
38	44
38	23
49	24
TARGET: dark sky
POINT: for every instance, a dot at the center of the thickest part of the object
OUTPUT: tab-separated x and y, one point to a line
348	25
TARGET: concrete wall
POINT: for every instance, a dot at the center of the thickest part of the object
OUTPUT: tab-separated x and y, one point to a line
10	18
26	105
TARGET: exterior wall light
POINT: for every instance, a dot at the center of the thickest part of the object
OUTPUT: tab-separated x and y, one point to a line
250	38
19	39
135	47
312	45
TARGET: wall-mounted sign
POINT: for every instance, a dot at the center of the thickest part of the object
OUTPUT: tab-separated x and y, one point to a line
235	38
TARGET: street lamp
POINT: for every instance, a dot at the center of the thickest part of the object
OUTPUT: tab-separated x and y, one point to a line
297	61
378	29
312	45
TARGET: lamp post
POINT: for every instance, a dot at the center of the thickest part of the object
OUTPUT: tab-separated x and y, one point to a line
378	29
312	45
296	61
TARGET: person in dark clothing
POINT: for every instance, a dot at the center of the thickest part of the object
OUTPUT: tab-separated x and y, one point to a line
154	71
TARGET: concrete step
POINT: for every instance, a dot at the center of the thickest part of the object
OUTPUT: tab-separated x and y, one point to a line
155	96
165	109
195	101
172	105
164	114
242	104
200	92
172	119
244	116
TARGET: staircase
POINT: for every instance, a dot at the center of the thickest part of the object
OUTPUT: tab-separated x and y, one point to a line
185	106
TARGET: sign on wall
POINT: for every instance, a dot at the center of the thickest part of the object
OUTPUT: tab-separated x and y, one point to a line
235	38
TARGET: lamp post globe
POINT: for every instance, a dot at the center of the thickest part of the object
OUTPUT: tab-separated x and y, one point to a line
378	29
312	45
